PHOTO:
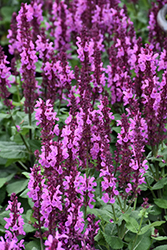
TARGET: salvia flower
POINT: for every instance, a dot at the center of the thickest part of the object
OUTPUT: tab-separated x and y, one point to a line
14	225
4	79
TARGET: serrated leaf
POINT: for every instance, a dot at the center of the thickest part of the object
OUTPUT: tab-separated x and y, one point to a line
162	203
17	186
113	241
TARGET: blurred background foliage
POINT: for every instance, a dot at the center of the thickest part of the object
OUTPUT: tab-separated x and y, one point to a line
7	7
137	10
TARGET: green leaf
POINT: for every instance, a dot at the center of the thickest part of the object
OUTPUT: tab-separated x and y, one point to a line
26	174
163	247
17	186
113	241
11	150
32	244
154	224
143	242
117	117
131	223
160	184
2	194
2	216
162	203
28	228
2	116
116	129
38	66
24	193
35	144
159	238
5	179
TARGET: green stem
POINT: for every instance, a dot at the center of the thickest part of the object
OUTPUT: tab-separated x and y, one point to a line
150	188
134	206
18	94
141	221
115	218
20	135
120	203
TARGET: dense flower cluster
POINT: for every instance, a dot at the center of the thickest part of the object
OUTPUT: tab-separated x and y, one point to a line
76	160
14	226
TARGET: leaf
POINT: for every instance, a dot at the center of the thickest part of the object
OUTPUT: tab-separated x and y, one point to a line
162	203
154	224
35	144
2	216
31	245
2	194
5	179
28	228
163	247
143	242
160	184
2	116
11	150
131	223
116	129
17	186
113	241
38	65
26	174
117	117
159	238
24	193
